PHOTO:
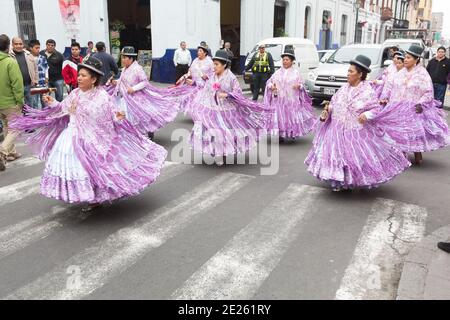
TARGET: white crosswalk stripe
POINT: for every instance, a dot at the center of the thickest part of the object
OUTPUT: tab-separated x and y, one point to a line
23	163
239	269
21	235
20	190
109	258
389	234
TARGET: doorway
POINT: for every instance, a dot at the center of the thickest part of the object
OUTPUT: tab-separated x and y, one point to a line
130	21
230	24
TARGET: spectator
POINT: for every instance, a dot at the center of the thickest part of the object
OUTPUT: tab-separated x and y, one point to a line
41	60
90	49
203	44
439	70
182	60
109	67
70	67
28	67
227	48
55	61
11	100
392	51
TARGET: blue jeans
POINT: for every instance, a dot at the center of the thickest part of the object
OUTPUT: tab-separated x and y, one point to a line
28	97
59	85
439	92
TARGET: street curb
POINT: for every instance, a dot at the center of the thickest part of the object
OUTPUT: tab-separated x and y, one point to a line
425	275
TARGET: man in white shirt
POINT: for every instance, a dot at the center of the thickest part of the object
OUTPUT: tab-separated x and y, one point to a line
182	60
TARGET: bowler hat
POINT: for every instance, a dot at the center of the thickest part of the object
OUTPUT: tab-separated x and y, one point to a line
415	51
363	62
288	53
92	64
222	55
129	52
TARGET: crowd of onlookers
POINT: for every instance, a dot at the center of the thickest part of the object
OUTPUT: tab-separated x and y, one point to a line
27	68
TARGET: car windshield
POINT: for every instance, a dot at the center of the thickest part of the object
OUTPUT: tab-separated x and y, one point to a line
273	49
344	55
326	56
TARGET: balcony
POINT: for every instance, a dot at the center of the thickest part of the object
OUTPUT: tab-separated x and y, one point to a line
386	14
401	24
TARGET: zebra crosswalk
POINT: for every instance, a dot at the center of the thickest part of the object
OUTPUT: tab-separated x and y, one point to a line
237	270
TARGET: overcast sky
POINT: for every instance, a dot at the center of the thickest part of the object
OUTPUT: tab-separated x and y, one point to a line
443	6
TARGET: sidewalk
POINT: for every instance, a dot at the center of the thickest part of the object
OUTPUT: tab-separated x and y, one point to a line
426	273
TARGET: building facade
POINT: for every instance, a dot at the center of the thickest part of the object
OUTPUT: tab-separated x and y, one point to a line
160	25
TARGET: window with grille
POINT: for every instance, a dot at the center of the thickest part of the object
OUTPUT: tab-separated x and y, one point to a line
25	19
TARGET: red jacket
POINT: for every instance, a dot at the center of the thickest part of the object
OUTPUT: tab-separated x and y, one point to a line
70	71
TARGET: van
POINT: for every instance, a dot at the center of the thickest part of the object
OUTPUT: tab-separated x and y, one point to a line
305	51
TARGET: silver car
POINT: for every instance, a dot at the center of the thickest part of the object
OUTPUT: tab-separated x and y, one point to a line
324	81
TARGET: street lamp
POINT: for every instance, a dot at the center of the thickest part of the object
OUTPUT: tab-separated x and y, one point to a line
356	5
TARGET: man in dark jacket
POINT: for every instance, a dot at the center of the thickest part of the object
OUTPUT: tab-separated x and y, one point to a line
109	68
55	62
263	67
439	70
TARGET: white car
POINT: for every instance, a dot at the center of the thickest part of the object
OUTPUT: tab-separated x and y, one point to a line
305	52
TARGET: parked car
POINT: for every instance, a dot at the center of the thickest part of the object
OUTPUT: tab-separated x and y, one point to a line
323	82
305	51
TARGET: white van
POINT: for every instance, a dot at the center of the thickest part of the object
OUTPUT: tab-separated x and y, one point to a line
305	51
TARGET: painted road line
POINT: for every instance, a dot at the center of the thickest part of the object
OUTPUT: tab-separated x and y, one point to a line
18	191
19	236
95	266
389	234
23	163
240	268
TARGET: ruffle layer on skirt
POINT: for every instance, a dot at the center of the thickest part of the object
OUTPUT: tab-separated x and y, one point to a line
351	158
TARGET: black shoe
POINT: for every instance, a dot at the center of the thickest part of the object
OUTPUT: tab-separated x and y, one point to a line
151	136
444	246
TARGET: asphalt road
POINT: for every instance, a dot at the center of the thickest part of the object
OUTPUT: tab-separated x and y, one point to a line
209	232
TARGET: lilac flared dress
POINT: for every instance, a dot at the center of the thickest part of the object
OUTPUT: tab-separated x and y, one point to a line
293	115
226	126
90	156
412	88
347	154
148	108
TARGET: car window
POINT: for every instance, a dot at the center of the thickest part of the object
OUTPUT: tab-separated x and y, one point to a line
345	54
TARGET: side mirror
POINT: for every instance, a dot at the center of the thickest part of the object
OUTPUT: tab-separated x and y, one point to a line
426	55
387	63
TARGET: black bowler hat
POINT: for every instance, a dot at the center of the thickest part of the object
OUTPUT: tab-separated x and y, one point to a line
363	62
92	64
400	56
128	52
399	53
288	53
204	47
415	51
222	55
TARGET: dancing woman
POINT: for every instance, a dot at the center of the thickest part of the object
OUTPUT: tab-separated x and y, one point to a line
93	154
293	116
351	148
146	107
226	123
413	89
